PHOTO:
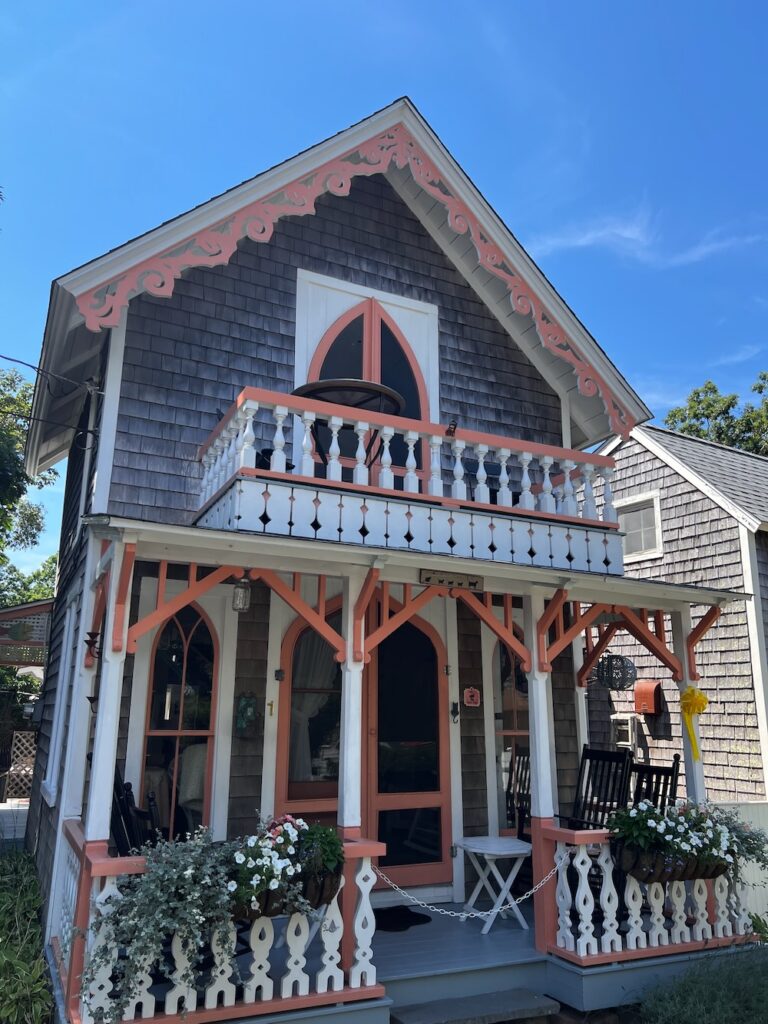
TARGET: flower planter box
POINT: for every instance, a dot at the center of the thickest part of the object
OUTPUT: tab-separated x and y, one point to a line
654	866
318	890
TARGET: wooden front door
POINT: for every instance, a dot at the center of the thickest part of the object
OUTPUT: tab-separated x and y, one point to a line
407	795
406	799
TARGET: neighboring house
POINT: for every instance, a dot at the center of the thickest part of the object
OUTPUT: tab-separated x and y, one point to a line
697	512
361	602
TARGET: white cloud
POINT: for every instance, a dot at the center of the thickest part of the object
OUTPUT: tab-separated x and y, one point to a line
740	355
636	237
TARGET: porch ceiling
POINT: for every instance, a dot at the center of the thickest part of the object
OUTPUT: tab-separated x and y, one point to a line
156	541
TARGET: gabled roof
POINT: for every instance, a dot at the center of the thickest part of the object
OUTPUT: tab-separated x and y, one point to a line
398	143
734	479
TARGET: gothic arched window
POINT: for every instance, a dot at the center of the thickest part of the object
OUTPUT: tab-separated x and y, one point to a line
180	722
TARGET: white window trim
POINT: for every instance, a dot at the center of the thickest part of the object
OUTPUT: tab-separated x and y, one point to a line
50	784
631	502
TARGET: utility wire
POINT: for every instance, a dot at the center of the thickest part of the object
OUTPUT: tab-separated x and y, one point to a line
58	376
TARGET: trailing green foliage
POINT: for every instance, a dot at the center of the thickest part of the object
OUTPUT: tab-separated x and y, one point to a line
25	995
733	989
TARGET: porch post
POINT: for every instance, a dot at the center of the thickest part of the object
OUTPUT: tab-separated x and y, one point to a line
580	693
102	775
351	732
541	726
695	785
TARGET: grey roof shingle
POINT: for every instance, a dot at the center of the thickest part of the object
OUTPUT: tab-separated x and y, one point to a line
739	476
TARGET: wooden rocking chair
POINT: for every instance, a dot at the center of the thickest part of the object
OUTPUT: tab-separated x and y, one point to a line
602	787
656	783
130	826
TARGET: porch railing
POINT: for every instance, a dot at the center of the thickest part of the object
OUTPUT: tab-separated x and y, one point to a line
445	464
281	964
604	915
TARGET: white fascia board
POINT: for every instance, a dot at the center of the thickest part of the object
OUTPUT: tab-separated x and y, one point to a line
739	514
218	547
120	260
156	240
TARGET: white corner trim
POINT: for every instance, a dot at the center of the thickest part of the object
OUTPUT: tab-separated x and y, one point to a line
739	514
634	501
109	408
757	644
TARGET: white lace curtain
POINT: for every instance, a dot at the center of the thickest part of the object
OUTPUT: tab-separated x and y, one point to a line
315	668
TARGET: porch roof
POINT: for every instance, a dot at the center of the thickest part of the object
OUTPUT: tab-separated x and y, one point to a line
158	541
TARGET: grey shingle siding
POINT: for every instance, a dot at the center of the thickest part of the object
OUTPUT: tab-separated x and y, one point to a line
740	476
229	327
700	546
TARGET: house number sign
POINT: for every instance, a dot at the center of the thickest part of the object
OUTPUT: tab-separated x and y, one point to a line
471	697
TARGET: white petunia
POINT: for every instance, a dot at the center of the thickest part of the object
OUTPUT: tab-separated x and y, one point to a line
231	886
289	870
274	884
291	849
251	840
250	863
651	823
240	857
633	813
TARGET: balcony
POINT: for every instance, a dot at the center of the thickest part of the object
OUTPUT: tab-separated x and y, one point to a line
286	466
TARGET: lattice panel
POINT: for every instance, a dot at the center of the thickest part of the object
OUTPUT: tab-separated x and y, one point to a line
19	784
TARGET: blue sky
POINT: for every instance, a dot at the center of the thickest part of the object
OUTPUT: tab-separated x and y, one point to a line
624	144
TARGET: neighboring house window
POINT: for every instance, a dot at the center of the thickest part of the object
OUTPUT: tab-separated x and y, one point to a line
510	688
640	521
179	737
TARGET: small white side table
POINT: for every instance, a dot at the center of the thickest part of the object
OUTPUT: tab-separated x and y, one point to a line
483	852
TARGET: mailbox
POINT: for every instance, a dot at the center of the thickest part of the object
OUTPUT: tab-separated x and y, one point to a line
648	697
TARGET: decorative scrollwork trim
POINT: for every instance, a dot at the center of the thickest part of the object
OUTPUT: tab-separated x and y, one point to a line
214	246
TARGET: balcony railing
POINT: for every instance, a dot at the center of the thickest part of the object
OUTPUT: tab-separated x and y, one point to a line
283	965
406	484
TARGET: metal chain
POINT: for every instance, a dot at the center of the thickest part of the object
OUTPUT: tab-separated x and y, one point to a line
463	915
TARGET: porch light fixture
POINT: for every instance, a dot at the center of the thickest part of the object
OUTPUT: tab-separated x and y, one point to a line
93	643
241	596
615	672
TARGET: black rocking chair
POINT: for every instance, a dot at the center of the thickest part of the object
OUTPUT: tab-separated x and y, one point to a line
130	826
602	787
656	783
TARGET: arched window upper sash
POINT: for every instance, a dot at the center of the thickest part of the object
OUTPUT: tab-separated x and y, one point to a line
366	343
180	716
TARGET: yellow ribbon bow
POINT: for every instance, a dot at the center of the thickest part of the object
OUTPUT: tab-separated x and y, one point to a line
692	702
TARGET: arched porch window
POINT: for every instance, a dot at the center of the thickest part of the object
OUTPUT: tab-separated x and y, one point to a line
178	755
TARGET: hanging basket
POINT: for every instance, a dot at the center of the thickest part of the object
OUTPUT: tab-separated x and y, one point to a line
318	890
615	672
653	866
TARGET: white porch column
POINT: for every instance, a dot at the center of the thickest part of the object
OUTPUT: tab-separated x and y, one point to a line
580	694
541	717
351	734
102	775
694	770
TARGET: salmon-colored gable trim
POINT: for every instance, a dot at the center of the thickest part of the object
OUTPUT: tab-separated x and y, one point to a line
215	245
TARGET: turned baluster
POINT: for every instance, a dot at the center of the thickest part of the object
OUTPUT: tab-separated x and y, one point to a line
557	494
435	466
482	492
570	505
386	476
527	500
277	462
360	472
609	512
546	498
504	497
411	481
206	488
247	451
333	469
307	462
458	487
588	508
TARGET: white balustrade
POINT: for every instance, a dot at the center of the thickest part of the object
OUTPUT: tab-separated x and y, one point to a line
243	970
594	917
487	472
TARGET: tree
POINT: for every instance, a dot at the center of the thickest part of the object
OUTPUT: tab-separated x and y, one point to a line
709	414
21	520
17	587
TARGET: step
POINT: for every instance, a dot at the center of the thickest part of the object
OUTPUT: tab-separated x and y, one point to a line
490	1008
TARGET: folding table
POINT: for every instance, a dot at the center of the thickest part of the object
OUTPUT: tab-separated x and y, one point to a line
483	852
